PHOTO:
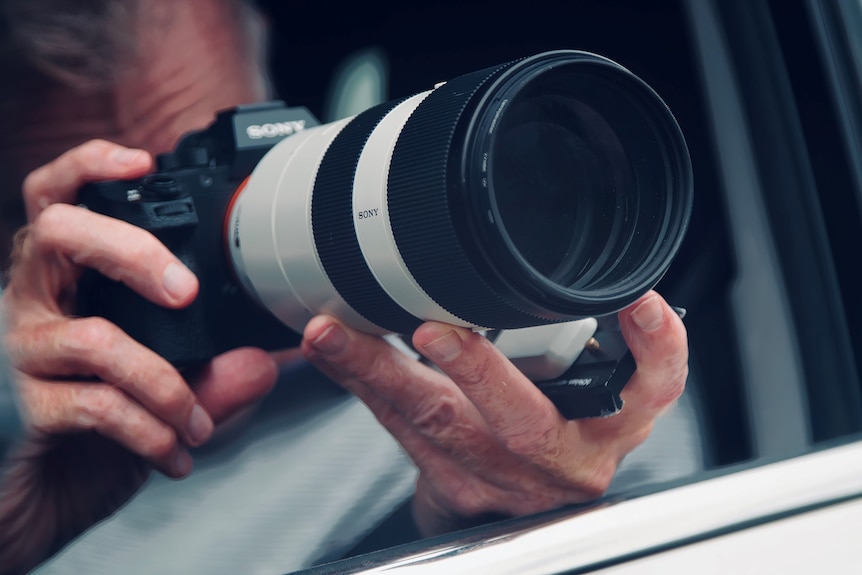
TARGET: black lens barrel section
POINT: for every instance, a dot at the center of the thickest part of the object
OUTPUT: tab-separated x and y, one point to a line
444	208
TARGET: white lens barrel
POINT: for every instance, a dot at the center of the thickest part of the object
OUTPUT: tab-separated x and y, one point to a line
271	239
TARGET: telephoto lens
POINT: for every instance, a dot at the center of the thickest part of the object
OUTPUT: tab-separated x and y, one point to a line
547	189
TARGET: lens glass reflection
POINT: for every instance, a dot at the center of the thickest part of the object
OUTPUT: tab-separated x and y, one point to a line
566	187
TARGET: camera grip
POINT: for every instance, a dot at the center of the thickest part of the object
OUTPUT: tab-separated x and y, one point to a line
178	335
186	216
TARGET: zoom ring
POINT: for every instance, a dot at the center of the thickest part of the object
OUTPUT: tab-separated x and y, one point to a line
334	232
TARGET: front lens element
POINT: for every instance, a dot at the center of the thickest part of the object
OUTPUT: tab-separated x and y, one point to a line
560	179
579	179
567	185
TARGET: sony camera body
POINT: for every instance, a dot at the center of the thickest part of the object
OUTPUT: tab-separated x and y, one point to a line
184	204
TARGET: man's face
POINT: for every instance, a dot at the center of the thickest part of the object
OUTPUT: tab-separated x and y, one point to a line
195	58
192	59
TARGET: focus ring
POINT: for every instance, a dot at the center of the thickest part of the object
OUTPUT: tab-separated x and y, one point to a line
424	166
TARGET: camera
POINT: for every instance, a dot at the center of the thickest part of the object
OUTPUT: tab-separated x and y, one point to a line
537	192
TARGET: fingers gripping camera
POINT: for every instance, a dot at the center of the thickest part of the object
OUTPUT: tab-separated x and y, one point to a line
538	192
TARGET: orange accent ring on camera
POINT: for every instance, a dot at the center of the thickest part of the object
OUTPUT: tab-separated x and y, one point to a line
226	225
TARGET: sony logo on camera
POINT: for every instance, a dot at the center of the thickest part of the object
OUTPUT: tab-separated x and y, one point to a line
256	128
274	129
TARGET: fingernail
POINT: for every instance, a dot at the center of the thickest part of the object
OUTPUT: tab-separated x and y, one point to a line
331	341
649	314
445	348
178	281
127	156
182	463
200	425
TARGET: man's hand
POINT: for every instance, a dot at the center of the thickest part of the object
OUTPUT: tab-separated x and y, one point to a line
485	439
99	407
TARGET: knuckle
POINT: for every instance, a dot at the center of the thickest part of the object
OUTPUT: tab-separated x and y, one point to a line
97	404
44	226
592	481
677	343
89	336
678	381
538	437
434	416
159	444
172	398
56	226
